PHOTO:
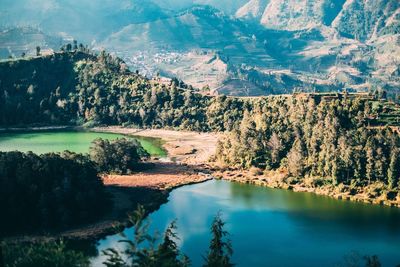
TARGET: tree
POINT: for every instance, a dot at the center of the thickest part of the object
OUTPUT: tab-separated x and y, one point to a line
50	190
295	159
168	253
393	172
369	168
121	155
275	145
68	47
75	47
141	249
372	261
220	249
1	253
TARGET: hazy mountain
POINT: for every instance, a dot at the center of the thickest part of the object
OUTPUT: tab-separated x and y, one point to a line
198	27
15	41
253	10
364	19
253	46
360	19
227	6
85	20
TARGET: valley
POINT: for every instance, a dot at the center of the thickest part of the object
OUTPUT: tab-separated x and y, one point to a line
316	46
199	133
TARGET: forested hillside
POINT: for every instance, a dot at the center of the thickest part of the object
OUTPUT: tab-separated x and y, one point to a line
329	142
264	47
48	192
342	138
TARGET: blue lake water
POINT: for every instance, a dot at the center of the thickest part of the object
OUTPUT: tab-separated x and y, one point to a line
272	227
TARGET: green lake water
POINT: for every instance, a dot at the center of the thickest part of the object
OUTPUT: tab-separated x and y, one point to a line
58	141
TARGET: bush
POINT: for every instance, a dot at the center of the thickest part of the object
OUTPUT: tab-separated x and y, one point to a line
47	254
120	156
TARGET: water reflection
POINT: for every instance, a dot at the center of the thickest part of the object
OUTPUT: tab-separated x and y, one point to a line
277	227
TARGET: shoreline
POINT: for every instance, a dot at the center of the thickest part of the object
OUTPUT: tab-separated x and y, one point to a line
192	148
276	179
189	152
125	200
152	185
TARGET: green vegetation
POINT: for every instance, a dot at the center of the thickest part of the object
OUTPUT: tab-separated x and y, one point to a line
78	88
220	252
44	254
56	191
118	156
332	138
165	252
327	141
143	249
49	191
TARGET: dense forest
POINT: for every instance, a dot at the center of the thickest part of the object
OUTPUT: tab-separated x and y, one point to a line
329	142
48	191
56	191
336	138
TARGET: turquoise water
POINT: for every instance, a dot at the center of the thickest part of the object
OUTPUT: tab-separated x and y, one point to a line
58	141
271	227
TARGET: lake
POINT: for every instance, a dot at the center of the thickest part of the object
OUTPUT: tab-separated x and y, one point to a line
273	227
268	227
75	141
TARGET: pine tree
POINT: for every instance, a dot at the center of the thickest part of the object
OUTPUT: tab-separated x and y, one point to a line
393	172
168	254
220	249
295	161
372	261
369	168
275	145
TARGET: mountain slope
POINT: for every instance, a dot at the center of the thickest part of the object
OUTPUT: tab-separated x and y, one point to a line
198	27
365	19
254	9
292	14
15	41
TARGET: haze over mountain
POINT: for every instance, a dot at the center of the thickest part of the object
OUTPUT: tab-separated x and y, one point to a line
248	47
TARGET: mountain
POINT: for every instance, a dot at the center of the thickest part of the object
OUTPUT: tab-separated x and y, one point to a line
292	14
227	6
359	19
253	10
85	20
365	19
251	46
198	27
15	41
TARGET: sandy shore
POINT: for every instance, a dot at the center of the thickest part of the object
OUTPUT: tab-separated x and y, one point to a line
149	187
185	147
